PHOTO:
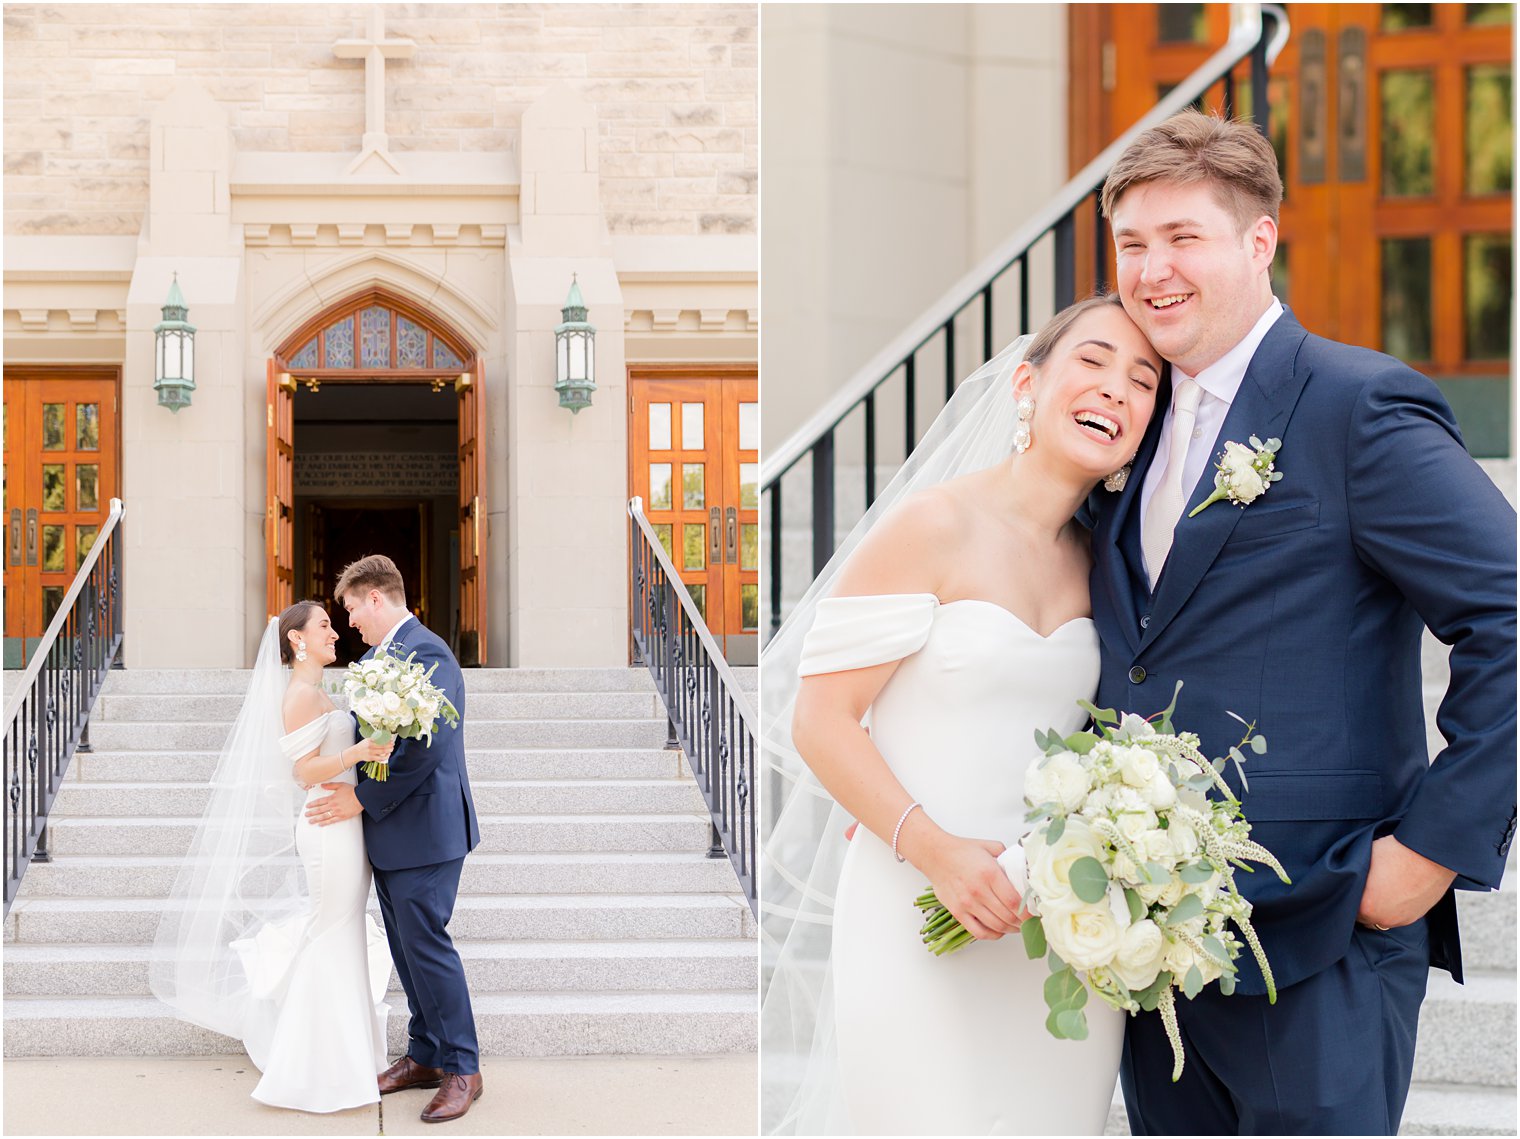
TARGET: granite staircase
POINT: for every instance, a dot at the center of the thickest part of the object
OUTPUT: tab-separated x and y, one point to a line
590	919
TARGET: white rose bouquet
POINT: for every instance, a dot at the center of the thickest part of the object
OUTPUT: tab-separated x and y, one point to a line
395	699
1130	871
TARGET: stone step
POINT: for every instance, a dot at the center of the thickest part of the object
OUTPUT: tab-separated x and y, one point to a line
499	834
517	797
107	735
613	872
1467	1031
609	763
485	706
567	917
1487	924
1432	1109
539	1024
490	967
234	681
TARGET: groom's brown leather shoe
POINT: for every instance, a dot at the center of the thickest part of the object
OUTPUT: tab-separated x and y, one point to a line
454	1098
407	1073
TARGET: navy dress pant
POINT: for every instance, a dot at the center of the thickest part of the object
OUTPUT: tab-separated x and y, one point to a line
417	904
1333	1056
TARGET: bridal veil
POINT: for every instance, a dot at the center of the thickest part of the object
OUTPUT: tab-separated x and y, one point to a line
242	870
804	845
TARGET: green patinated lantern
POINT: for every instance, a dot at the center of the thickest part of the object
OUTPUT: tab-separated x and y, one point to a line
174	345
575	352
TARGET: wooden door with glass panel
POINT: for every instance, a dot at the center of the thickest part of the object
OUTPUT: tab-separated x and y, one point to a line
1394	130
61	472
694	457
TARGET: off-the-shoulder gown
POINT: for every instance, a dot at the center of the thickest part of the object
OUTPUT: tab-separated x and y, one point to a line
316	1020
955	1045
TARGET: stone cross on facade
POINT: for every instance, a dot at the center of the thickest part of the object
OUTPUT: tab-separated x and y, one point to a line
374	49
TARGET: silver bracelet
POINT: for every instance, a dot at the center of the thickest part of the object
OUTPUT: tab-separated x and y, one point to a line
897	830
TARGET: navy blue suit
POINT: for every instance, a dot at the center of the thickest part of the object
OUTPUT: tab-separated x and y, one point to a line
1303	612
418	825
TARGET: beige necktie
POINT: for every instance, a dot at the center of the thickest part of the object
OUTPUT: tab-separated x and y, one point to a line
1165	508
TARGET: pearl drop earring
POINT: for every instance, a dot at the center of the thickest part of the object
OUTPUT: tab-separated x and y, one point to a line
300	650
1021	438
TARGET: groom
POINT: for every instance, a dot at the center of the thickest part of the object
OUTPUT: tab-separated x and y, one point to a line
418	826
1302	612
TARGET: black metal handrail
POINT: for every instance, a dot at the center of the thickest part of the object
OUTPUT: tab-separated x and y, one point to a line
48	715
1257	34
709	716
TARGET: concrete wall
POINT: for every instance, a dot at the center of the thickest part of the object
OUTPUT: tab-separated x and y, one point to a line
901	143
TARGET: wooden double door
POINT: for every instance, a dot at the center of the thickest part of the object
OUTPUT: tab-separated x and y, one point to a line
1394	130
62	468
329	550
694	454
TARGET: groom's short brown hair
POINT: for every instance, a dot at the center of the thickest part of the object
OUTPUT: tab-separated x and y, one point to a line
1229	154
373	572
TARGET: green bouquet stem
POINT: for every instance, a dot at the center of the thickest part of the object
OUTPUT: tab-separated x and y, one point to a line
942	932
375	770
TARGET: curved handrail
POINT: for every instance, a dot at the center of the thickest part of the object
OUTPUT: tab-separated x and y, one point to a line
1245	34
39	654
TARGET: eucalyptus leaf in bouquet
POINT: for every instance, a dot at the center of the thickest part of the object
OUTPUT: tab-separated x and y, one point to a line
1129	871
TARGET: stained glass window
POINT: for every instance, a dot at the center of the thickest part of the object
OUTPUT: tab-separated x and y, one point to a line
340	344
375	338
444	357
307	356
411	344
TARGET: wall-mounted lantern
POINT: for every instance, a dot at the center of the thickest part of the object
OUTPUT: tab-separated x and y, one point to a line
174	346
575	352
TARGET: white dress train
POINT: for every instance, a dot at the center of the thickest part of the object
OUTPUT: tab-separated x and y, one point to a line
955	1045
316	1016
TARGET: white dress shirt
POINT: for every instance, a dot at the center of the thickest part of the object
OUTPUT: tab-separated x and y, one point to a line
1219	381
385	640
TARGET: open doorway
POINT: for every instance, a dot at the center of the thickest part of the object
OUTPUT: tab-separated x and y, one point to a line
377	472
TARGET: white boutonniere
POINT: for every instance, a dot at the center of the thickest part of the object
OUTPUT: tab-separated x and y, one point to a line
1243	473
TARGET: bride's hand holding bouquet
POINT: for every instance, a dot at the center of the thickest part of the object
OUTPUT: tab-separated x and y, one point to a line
1130	872
968	881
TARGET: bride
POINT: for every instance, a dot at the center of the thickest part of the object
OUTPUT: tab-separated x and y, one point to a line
265	936
910	682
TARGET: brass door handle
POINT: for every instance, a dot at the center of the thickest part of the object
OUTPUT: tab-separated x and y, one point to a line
714	537
732	535
31	536
15	535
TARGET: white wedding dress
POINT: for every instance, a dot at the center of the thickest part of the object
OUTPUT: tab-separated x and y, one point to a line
315	1023
955	1045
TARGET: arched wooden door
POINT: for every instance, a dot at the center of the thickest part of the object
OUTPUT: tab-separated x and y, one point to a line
380	338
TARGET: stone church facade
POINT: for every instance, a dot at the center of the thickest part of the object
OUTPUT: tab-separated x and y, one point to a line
374	215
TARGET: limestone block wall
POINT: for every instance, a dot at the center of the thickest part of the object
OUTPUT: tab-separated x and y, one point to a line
674	88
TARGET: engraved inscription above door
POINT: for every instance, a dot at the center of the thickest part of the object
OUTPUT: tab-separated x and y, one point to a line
61	472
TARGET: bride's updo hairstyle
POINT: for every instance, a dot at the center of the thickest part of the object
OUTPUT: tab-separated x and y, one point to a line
292	619
1045	341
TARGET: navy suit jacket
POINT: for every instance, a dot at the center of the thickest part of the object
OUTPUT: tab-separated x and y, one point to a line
1303	612
424	812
